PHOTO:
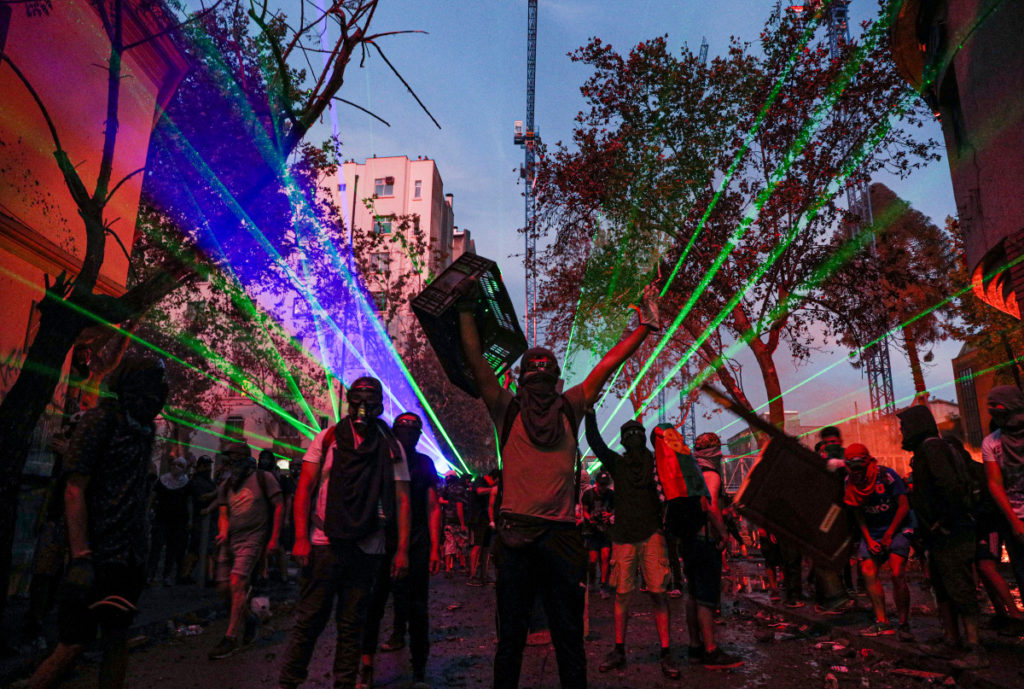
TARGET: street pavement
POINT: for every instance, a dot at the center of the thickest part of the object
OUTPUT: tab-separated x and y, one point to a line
782	648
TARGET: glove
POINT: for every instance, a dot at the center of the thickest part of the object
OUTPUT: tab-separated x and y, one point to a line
79	579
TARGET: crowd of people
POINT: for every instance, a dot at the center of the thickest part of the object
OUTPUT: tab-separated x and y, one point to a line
366	517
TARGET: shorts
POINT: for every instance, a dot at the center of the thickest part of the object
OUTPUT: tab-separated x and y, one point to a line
239	555
454	540
702	565
650	556
481	534
103	606
951	565
597	541
900	546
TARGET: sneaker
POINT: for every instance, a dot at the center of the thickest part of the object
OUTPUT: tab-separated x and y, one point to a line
695	654
225	648
675	593
364	680
879	629
834	608
396	642
904	633
795	603
720	660
615	660
669	668
974	659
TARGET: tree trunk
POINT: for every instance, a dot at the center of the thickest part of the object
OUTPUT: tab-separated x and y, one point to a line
910	340
772	386
21	409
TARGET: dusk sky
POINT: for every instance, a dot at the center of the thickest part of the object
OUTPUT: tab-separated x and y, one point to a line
469	70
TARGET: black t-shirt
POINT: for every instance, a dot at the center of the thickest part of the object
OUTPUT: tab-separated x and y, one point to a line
422	477
601	507
454	494
477	503
171	504
114	452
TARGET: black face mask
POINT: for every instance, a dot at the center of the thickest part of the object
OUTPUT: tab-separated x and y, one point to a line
142	394
634	439
365	402
540	371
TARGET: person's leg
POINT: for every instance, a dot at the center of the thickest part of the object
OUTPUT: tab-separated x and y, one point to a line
357	573
316	598
672	546
157	540
239	605
515	595
869	570
900	588
1015	549
657	574
624	566
560	571
474	558
375	611
791	565
418	586
55	666
997	589
177	541
114	667
606	561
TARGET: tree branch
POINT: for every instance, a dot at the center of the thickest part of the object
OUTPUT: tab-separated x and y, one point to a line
359	107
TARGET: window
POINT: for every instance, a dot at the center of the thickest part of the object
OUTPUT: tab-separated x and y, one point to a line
381	263
234	427
381	225
417	192
380	301
384	186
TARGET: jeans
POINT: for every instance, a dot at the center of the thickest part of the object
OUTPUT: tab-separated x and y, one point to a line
338	570
411	597
553	566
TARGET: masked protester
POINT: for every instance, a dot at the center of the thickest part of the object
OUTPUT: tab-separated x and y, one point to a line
106	502
638	542
351	515
598	512
947	528
411	594
170	523
702	542
539	549
250	510
878	497
1003	454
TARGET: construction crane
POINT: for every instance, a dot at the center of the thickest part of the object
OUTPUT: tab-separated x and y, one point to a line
875	356
528	138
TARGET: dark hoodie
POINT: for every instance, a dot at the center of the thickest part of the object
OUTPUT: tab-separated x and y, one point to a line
637	506
938	489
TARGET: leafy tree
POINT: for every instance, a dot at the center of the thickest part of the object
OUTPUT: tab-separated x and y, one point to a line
675	160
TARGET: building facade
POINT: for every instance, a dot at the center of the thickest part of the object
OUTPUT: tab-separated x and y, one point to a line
967	60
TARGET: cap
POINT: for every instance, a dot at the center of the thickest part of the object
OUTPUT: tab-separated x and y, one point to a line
857	452
603	478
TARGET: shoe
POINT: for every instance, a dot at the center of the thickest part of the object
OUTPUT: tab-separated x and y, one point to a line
695	654
904	633
835	608
795	603
225	648
474	581
720	660
364	680
675	593
974	659
879	629
396	642
615	660
669	668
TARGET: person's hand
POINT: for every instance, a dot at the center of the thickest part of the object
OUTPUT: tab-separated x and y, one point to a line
469	294
272	546
221	538
400	565
1018	530
435	562
301	551
648	310
874	546
886	541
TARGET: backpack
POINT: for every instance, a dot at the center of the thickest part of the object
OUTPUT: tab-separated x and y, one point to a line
970	493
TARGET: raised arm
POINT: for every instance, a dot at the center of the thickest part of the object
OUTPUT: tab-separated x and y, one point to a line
623	350
486	382
597	444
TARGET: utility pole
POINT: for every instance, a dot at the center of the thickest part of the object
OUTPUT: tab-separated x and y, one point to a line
527	139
